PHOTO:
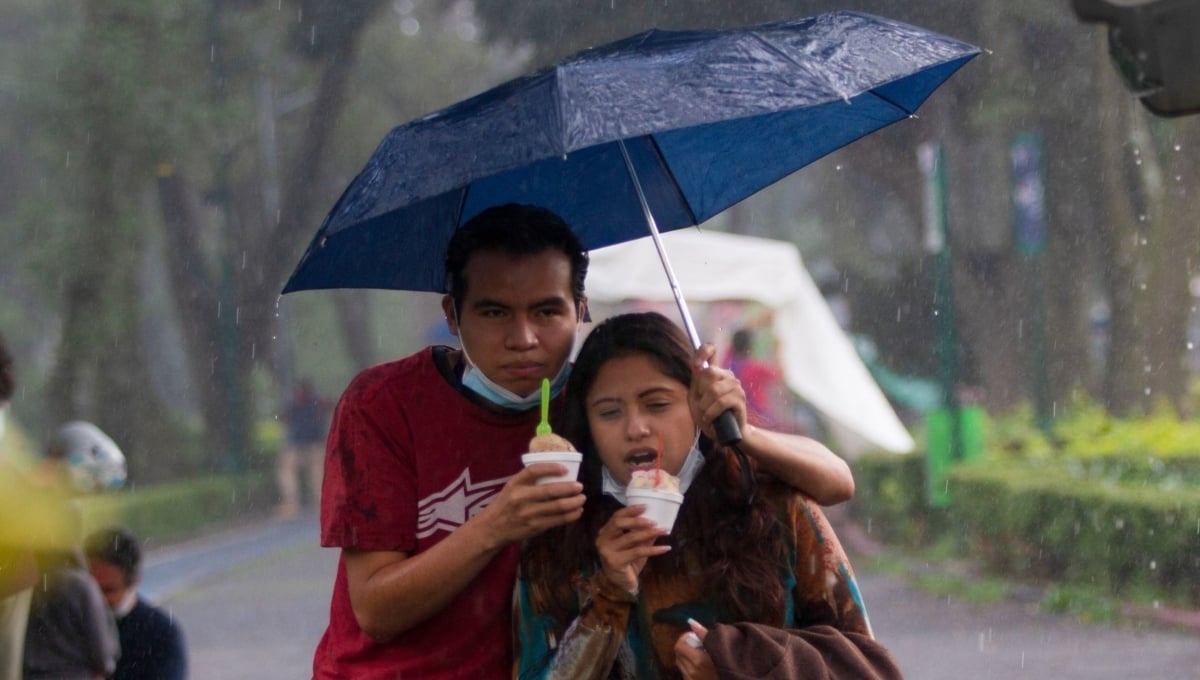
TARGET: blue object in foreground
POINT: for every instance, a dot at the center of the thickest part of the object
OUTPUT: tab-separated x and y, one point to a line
708	118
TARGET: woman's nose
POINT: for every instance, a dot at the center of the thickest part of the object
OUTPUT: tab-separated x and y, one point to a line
637	427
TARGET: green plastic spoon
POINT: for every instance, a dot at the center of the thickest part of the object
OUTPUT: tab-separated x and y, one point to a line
544	426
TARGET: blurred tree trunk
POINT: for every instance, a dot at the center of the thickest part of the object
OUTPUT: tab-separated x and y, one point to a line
229	301
992	302
101	373
1172	236
1148	239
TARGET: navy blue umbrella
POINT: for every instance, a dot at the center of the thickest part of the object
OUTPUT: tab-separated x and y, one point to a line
657	131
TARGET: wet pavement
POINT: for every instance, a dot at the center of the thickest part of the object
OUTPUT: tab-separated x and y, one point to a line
254	601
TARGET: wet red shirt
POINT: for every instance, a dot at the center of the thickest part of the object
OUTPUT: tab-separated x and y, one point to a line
410	459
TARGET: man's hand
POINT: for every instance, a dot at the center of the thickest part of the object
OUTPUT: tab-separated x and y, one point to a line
524	508
690	658
714	390
625	542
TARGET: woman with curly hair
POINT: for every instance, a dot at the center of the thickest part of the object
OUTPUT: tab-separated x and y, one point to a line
751	581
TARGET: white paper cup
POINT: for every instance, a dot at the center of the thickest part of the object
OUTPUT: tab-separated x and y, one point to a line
661	506
570	459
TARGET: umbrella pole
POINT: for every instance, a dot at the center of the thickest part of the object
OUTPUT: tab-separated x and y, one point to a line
728	432
688	324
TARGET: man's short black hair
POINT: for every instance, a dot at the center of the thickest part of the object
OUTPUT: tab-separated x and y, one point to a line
117	546
513	229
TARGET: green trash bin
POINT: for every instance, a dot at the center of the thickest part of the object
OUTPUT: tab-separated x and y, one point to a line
940	455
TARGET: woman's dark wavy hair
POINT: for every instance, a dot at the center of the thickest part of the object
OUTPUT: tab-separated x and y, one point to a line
741	546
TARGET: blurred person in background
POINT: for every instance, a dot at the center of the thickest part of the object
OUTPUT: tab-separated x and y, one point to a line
152	644
307	420
766	395
70	633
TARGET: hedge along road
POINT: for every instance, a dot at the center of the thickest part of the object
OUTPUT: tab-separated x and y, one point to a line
253	604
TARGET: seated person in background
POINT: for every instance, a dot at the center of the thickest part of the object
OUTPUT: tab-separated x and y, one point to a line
71	634
753	562
151	642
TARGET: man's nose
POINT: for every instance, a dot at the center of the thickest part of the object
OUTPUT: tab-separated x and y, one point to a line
522	334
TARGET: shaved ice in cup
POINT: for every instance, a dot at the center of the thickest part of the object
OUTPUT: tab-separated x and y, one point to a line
659	492
569	459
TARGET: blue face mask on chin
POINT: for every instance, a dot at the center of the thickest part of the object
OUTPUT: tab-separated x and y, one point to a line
473	379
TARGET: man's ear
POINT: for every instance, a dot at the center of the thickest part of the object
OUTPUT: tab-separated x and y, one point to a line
583	310
448	310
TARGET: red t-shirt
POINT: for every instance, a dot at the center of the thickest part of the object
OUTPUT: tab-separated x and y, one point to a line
409	460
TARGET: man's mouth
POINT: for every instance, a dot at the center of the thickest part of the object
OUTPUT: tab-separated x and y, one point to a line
524	369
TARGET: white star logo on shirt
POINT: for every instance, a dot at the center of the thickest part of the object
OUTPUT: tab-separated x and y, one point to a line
451	507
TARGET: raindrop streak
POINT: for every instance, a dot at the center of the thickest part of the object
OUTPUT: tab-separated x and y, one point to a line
312	38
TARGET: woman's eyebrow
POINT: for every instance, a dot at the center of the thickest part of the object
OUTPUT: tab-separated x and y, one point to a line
601	400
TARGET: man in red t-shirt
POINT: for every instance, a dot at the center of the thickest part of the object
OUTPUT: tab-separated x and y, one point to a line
424	491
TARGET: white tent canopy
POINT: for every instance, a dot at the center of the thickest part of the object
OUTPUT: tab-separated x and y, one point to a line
818	361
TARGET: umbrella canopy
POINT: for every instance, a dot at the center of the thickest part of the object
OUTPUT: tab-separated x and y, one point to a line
817	359
707	117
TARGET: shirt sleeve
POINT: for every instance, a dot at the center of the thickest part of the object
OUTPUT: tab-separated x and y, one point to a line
101	642
369	497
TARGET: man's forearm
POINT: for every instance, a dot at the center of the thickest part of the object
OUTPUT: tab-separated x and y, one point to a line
391	596
801	463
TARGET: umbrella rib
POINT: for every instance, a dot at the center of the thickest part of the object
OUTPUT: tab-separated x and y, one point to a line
891	102
662	159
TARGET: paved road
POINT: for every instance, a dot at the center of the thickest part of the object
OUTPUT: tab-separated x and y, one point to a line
253	604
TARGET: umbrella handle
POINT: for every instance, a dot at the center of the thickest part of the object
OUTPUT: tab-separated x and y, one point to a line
728	432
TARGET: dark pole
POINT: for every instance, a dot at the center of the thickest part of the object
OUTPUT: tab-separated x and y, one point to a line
1029	208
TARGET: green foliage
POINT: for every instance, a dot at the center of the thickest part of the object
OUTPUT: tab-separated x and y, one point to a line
177	510
1085	604
890	501
1050	522
1159	449
1102	508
